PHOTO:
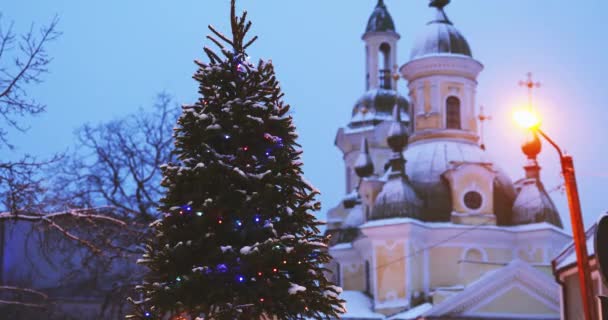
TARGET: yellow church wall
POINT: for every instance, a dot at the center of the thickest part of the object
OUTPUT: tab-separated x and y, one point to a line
515	296
417	271
499	254
390	271
428	121
471	271
530	254
353	277
462	185
443	264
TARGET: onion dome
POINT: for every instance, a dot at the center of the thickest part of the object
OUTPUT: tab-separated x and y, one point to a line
531	146
380	20
429	159
364	167
397	198
533	205
440	36
376	105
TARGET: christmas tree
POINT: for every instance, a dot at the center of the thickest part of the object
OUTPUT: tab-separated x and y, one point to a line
238	239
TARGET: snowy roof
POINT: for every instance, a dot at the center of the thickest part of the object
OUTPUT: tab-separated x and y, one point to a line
358	306
427	160
567	256
533	204
376	105
440	36
438	225
413	313
355	218
342	246
380	20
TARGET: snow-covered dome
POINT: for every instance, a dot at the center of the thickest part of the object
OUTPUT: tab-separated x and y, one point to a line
533	204
397	200
380	20
376	105
355	218
427	160
440	36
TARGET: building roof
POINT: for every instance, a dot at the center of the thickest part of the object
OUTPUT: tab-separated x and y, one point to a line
567	256
427	160
533	204
376	105
359	306
380	20
397	198
440	36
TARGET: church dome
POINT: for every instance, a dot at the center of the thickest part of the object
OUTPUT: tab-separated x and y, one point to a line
376	105
533	205
440	36
397	200
427	160
380	20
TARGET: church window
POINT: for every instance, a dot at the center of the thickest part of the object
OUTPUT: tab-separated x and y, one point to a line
474	255
452	107
473	200
385	67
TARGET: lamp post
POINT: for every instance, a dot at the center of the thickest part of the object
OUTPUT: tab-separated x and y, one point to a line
529	120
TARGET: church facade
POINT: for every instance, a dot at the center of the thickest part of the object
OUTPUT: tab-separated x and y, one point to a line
430	227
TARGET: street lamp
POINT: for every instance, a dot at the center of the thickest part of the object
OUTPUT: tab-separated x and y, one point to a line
530	121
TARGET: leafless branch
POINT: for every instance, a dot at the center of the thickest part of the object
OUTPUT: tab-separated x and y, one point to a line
23	61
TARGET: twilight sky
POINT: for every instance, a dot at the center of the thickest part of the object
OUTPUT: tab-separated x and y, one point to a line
114	56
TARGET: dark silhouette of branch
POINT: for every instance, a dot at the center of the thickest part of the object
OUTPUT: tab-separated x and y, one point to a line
23	61
118	163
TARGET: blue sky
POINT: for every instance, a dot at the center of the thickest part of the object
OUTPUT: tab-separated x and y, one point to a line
114	56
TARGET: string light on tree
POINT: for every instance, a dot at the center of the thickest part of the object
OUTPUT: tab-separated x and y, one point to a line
248	126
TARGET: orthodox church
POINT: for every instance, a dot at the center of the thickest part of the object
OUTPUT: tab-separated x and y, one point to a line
430	227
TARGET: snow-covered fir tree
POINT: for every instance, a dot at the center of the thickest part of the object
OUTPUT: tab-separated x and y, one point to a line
238	239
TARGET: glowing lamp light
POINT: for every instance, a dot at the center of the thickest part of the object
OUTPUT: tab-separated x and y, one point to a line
199	213
275	270
256	218
239	223
178	279
259	274
526	119
227	137
240	279
147	314
261	299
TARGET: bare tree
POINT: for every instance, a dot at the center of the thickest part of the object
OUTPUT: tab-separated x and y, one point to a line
87	216
86	237
118	163
23	62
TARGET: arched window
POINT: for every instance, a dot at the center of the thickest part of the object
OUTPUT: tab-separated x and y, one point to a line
385	66
452	112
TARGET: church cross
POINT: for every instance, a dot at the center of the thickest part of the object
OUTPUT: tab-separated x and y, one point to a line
482	119
530	85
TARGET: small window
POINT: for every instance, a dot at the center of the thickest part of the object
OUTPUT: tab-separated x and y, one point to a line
452	107
473	200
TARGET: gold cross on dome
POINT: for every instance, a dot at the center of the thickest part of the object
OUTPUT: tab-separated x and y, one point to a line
530	85
482	119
